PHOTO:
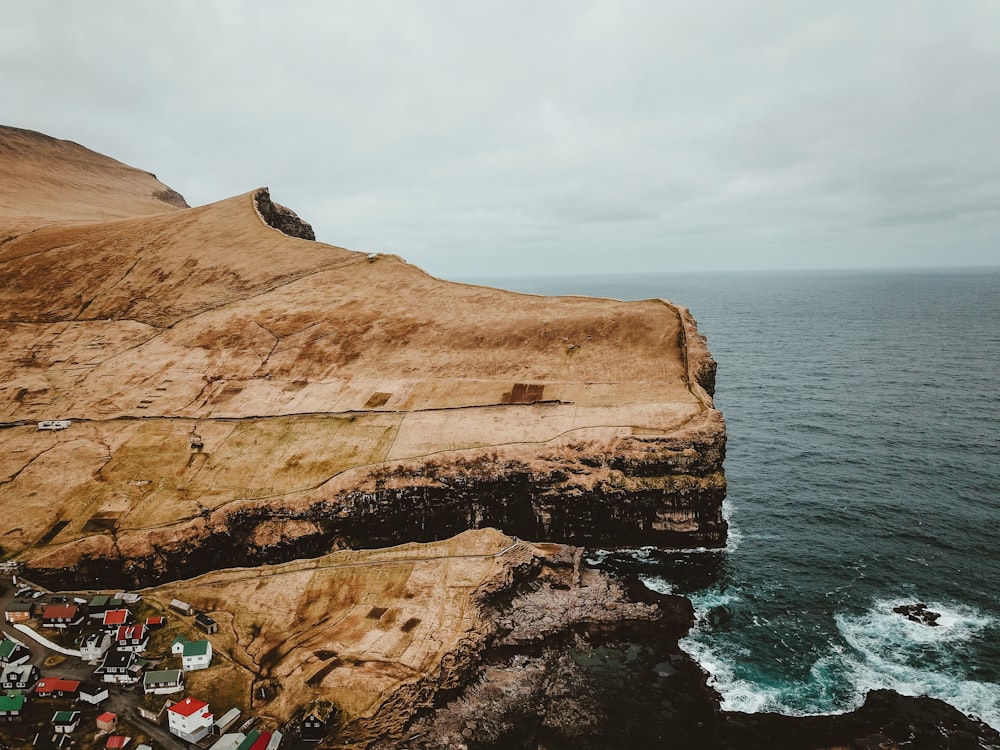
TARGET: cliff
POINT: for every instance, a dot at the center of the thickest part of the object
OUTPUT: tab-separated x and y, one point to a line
239	393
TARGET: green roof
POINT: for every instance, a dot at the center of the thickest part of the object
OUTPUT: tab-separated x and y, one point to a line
195	648
164	675
65	717
11	702
99	601
6	648
20	607
248	742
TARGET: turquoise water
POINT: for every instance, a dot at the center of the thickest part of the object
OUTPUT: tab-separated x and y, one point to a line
862	411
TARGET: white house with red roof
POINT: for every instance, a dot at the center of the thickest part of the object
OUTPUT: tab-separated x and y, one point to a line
56	687
62	616
115	618
190	719
132	638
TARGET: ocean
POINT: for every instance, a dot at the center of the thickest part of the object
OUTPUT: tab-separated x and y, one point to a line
863	463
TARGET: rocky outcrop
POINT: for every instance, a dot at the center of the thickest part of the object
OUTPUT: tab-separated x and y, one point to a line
285	220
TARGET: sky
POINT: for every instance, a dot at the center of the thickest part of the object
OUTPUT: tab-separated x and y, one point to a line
479	139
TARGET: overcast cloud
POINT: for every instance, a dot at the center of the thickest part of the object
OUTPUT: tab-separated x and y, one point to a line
501	138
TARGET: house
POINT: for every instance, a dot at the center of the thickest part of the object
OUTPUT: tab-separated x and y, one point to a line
107	722
121	667
13	653
95	645
66	722
189	719
115	618
316	721
132	638
57	687
183	607
11	707
206	623
92	693
163	682
101	603
19	612
62	616
156	622
18	676
117	742
196	655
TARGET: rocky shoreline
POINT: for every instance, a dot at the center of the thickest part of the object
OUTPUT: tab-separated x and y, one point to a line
578	660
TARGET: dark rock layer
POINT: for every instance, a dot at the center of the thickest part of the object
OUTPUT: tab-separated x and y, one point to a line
285	220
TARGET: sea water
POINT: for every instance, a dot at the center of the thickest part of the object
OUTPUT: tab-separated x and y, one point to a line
863	462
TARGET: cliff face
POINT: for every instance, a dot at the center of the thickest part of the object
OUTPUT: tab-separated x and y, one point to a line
239	394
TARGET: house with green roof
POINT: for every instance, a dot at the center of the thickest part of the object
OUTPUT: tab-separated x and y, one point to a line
66	722
11	706
163	682
13	653
194	654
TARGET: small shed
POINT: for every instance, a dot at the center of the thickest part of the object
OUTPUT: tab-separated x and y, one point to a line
183	607
93	693
54	424
107	721
224	722
206	623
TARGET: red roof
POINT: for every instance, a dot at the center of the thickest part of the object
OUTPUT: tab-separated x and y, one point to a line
60	612
52	684
116	617
117	741
128	632
107	716
188	706
261	743
159	620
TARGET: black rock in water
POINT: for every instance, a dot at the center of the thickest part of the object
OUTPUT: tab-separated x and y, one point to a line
919	613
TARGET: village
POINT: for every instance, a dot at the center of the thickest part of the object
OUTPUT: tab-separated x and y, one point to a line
92	670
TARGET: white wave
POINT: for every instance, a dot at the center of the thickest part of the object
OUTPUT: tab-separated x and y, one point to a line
737	694
706	600
882	649
890	651
657	584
